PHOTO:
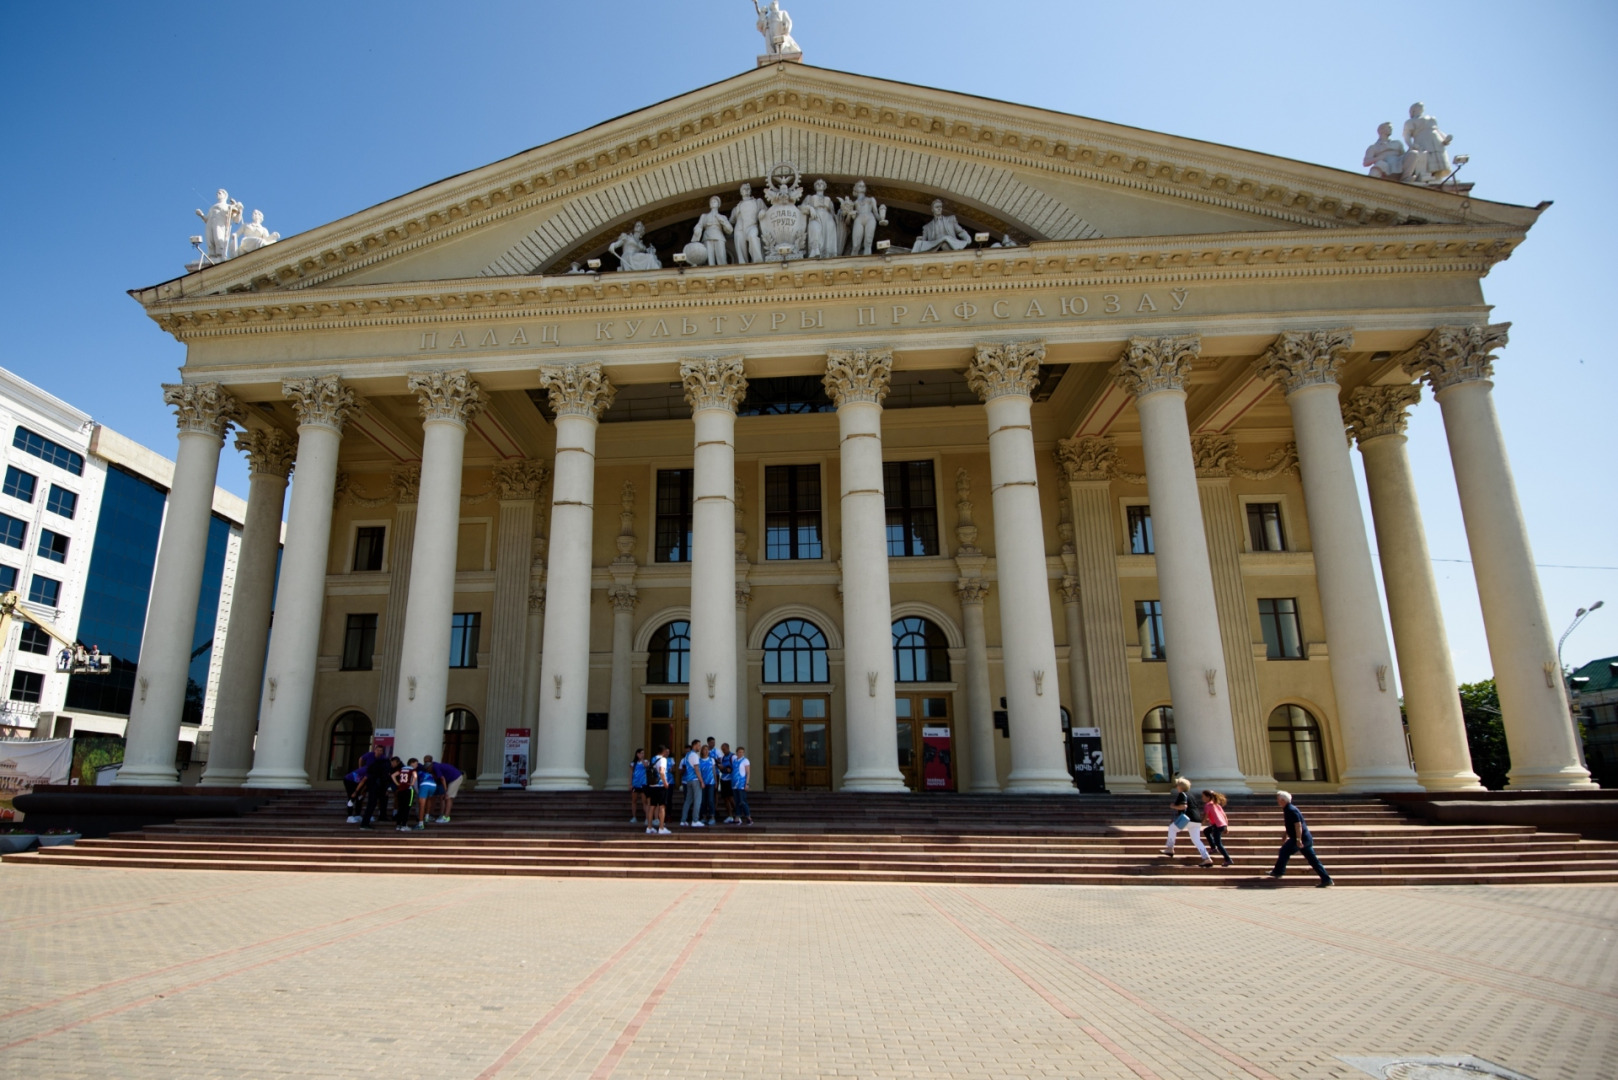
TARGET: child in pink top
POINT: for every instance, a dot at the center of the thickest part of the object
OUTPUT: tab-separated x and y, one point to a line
1213	805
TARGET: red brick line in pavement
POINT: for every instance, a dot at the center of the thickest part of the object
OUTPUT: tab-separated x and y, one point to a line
28	922
1134	1065
1449	973
1539	912
573	995
1249	1067
609	1063
174	990
205	959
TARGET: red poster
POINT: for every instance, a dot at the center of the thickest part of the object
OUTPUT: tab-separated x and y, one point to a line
937	758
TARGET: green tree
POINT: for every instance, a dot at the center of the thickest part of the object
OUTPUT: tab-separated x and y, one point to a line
1485	734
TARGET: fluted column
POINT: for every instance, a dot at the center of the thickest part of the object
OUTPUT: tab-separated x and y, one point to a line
448	399
972	591
579	393
1376	415
518	484
323	404
1155	370
241	672
532	658
620	703
1003	376
1458	363
1078	668
204	412
1306	364
856	381
1088	463
714	386
744	697
406	482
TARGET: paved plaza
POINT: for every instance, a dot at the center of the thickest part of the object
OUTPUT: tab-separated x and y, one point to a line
134	974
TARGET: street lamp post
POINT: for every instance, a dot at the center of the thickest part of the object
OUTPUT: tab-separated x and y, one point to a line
1567	677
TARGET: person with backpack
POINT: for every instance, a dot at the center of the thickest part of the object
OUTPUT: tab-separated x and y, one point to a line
1298	839
637	788
1213	805
657	782
1188	815
741	770
404	793
707	765
691	778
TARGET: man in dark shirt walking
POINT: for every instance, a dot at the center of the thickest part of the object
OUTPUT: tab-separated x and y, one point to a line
1298	839
374	787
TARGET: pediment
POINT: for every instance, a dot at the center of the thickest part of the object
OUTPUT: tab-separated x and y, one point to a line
1037	175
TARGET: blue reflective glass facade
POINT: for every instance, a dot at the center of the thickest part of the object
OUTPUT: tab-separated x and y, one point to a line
213	578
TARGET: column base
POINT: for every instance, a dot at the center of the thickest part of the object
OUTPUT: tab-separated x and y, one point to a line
488	781
145	776
1040	782
1369	780
1568	778
1262	785
278	780
984	789
1450	781
559	780
873	781
1125	785
223	777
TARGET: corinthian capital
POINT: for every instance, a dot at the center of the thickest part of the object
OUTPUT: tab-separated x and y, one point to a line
1150	365
1303	358
269	452
202	408
1088	457
406	483
713	382
577	389
1374	411
1457	354
859	375
1010	367
447	395
321	399
971	590
1213	454
522	479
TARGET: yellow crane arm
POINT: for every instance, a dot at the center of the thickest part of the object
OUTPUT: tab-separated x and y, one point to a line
11	606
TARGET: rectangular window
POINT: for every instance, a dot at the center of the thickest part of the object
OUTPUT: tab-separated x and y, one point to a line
8	579
1149	621
27	686
34	640
1264	527
1140	530
792	512
34	443
19	485
912	508
359	642
44	590
62	502
1279	620
13	531
674	497
463	639
52	546
368	540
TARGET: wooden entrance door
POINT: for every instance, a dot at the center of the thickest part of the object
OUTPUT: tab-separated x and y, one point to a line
666	724
797	742
925	730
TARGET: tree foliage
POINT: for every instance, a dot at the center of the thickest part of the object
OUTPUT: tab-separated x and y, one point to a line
1485	734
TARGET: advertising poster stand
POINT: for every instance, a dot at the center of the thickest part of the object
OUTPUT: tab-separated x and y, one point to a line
515	757
1089	771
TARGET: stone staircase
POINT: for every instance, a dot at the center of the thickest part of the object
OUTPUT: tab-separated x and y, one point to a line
968	839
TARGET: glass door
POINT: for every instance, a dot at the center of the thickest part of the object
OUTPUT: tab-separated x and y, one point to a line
797	737
925	731
666	724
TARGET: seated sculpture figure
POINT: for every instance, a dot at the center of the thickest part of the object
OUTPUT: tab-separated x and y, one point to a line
254	235
942	231
633	252
1384	158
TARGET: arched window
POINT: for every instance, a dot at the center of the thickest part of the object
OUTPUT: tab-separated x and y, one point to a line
1295	744
795	652
669	660
350	737
1162	757
920	651
461	740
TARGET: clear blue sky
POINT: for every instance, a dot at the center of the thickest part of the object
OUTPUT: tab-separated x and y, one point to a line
118	119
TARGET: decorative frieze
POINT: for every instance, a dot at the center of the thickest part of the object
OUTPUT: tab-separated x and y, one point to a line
1152	365
1374	411
321	400
1302	358
1216	456
713	382
523	479
406	483
577	389
1457	354
450	396
858	375
1008	367
972	591
202	408
1088	457
269	451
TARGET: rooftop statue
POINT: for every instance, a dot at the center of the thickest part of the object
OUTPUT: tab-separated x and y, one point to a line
1385	158
709	235
827	236
633	252
942	231
863	214
744	220
776	26
1427	148
254	235
217	242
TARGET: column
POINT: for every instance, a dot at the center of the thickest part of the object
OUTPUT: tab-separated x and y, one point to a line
448	399
323	404
714	386
518	484
1003	376
532	655
402	544
1155	370
744	696
1306	365
203	412
1088	463
1078	668
857	380
241	674
579	393
972	591
1458	363
1376	415
621	700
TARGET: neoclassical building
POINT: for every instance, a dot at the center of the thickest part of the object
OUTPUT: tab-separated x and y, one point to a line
896	492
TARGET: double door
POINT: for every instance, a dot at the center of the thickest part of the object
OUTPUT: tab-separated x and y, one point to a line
797	742
925	731
667	724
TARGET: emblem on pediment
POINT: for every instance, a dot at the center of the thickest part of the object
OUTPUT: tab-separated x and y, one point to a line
782	228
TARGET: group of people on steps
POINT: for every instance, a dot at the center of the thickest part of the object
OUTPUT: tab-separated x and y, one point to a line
1204	816
714	780
424	790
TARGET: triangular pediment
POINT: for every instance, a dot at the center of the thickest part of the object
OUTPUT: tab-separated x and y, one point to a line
1038	175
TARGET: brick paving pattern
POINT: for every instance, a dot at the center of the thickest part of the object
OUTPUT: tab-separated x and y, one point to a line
154	973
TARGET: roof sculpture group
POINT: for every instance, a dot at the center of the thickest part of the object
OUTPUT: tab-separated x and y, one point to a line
1423	157
221	240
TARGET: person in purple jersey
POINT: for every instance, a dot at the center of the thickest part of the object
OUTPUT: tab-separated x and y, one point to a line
351	784
449	784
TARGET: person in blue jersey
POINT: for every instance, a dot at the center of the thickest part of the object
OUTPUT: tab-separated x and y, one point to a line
727	765
691	779
449	785
659	782
741	772
637	788
707	765
1298	839
427	790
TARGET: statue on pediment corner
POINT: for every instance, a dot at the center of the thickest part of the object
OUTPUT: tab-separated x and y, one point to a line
633	252
1384	159
710	233
744	221
1427	148
942	231
864	214
217	242
253	235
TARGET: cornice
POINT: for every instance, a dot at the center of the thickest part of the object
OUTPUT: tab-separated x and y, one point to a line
1220	257
944	121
